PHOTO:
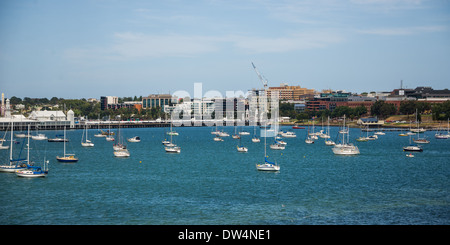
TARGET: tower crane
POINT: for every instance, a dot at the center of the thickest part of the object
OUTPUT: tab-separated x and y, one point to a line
262	78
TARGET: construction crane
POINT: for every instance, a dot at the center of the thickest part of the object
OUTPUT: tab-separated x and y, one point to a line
262	78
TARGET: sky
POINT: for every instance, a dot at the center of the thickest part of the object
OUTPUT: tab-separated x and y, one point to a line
92	48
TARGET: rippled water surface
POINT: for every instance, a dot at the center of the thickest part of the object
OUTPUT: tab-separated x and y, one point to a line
211	183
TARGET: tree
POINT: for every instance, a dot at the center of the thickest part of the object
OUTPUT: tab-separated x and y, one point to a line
382	109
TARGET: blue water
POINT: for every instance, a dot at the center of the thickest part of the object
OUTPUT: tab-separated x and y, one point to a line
211	183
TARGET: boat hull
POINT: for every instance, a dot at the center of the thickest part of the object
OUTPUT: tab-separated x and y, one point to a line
267	167
10	169
31	174
67	159
412	149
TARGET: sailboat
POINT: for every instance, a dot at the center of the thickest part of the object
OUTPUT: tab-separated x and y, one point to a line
327	137
32	171
99	132
119	144
412	147
267	165
235	135
171	131
218	138
86	142
309	139
345	148
255	139
171	147
362	138
18	164
419	140
67	157
240	147
4	147
441	135
110	136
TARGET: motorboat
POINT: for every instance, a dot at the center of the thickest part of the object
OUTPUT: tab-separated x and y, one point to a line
329	142
413	148
409	155
134	139
39	137
288	134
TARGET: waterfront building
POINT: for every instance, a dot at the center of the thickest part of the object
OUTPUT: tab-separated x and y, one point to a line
156	100
286	92
108	100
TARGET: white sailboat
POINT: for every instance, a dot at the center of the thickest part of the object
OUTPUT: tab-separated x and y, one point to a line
412	147
4	147
267	165
109	137
120	149
86	142
121	152
18	164
255	139
241	148
420	130
171	132
327	137
235	135
171	147
119	145
32	171
441	135
99	133
218	139
345	148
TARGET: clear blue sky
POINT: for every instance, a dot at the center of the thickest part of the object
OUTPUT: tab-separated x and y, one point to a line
87	48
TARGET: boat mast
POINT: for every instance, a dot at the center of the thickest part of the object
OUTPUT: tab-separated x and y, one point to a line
11	147
28	146
64	141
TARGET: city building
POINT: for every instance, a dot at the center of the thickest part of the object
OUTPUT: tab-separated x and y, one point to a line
107	100
286	92
156	100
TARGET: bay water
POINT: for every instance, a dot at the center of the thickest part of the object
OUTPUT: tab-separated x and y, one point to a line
211	183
